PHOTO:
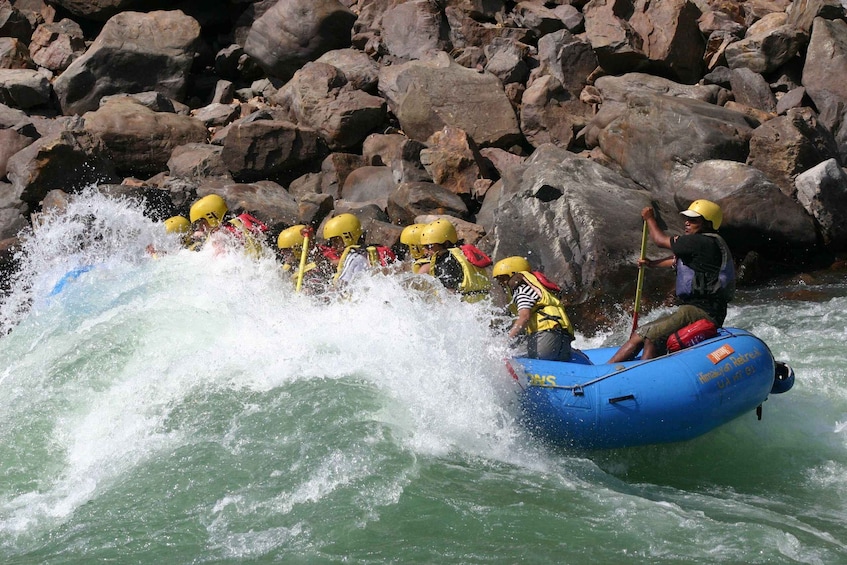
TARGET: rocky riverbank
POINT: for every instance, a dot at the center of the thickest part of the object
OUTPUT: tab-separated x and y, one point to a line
541	128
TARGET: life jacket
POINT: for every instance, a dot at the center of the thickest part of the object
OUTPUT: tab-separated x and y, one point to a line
245	221
475	255
548	313
378	255
692	284
547	283
248	229
475	281
417	263
691	334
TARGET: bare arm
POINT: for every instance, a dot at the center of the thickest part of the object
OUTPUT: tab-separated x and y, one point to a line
657	234
520	323
663	262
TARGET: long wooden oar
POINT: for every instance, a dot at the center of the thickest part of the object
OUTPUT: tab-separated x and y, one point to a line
306	234
640	285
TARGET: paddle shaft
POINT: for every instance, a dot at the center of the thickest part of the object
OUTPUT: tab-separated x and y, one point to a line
302	268
640	284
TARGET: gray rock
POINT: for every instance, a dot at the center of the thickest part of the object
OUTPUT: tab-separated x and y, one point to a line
413	199
787	145
428	95
24	88
577	219
69	160
822	190
293	32
657	139
134	53
412	29
139	139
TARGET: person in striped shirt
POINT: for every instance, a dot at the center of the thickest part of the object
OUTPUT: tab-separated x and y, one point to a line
538	312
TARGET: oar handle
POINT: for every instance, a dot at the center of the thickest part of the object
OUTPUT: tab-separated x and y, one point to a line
640	284
307	234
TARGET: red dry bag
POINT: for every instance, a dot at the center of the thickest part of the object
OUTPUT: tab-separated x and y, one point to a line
691	334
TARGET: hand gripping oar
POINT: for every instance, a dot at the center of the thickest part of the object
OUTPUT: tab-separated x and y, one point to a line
307	234
640	285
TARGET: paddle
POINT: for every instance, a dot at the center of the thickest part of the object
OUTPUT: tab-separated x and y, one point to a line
640	284
306	233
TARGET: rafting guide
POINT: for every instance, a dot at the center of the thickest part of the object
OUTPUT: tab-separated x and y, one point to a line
705	278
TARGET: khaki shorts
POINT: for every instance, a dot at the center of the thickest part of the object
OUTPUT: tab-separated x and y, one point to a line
659	330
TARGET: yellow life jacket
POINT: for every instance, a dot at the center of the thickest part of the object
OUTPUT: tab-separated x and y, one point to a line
375	258
548	313
252	246
418	263
475	281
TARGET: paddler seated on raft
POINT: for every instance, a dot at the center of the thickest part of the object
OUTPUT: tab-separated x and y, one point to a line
315	268
705	278
538	312
209	224
176	225
450	265
411	238
343	234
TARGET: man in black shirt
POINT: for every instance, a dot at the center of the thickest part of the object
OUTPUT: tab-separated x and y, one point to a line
705	279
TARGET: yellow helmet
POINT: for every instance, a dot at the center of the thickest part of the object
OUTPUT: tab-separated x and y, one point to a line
291	238
177	224
707	209
411	236
346	226
212	208
439	231
510	265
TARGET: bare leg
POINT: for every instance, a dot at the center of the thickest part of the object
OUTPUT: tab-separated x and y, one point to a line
628	350
650	350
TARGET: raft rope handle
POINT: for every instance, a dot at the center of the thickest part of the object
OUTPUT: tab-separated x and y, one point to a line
617	399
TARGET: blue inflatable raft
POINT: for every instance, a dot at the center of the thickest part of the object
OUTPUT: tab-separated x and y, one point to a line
587	404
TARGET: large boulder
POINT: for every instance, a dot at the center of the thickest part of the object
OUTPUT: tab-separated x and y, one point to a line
104	9
826	58
12	140
657	139
24	88
320	97
140	140
568	58
69	160
55	46
577	220
429	94
369	184
822	190
768	44
270	149
551	114
293	32
787	145
361	71
14	54
413	199
757	216
134	53
639	35
453	161
412	29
